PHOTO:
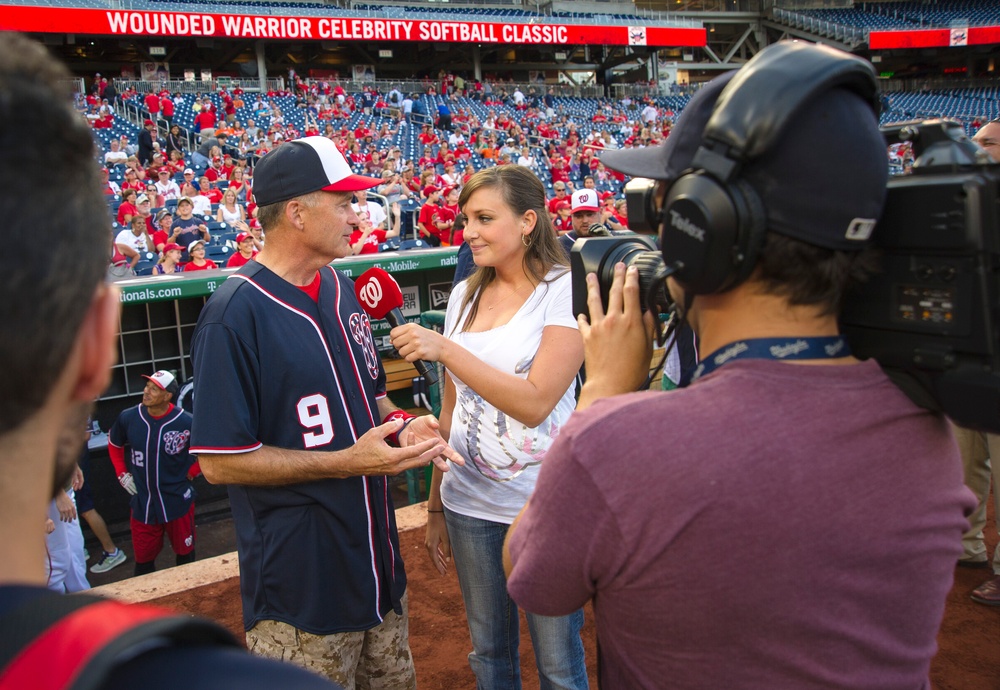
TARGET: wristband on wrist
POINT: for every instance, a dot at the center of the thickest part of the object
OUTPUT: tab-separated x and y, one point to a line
398	414
434	511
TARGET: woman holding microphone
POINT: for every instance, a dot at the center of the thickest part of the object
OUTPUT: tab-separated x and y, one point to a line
511	350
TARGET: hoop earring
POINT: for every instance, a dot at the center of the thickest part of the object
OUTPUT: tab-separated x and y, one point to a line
526	240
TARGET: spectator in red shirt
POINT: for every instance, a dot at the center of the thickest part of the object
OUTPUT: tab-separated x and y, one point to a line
127	210
563	222
206	119
426	228
238	182
560	189
206	188
427	158
366	238
412	183
246	251
451	198
427	137
227	165
216	172
142	205
110	188
229	107
198	262
156	199
443	220
167	109
131	181
152	102
619	219
165	234
559	170
176	162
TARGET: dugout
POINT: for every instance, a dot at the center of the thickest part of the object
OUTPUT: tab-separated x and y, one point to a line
158	317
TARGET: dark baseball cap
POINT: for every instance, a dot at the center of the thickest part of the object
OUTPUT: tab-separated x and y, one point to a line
304	166
825	178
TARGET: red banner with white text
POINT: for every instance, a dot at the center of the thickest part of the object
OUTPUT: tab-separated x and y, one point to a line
935	38
173	24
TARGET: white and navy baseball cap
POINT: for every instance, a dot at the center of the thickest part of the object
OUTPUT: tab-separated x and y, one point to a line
585	200
304	166
164	380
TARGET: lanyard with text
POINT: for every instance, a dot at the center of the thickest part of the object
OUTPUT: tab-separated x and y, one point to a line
828	347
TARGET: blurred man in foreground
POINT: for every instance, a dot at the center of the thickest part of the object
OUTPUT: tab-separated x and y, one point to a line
58	345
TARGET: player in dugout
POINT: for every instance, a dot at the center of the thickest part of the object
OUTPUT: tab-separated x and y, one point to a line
156	472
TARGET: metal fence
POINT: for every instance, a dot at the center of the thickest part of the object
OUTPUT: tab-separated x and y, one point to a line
384	86
848	34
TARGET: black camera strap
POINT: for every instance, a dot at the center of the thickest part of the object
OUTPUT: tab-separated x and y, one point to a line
826	347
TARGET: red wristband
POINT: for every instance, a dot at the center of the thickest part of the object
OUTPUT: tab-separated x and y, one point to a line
398	414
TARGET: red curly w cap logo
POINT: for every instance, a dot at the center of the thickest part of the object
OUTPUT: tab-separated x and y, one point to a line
175	441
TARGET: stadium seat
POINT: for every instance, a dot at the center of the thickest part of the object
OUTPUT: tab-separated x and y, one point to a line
145	268
218	253
406	245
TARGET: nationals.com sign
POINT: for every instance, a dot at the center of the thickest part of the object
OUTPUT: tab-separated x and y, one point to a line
120	22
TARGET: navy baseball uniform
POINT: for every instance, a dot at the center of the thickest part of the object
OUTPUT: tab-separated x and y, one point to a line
276	367
158	459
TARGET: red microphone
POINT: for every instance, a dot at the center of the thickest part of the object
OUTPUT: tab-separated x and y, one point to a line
380	297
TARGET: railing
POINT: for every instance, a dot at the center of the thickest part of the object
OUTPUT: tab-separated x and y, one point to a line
938	84
196	86
840	32
620	91
383	86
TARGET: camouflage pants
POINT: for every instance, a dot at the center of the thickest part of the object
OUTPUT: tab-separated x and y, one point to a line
376	659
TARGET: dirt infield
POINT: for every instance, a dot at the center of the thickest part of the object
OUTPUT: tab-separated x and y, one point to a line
969	641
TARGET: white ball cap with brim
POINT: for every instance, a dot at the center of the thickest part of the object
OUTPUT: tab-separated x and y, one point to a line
195	244
164	380
585	200
304	166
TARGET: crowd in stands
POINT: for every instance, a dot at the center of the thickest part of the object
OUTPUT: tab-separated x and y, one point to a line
423	145
889	16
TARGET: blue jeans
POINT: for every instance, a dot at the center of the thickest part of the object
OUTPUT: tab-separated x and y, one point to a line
493	617
198	160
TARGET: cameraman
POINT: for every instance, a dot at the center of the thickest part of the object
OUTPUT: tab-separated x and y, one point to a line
776	524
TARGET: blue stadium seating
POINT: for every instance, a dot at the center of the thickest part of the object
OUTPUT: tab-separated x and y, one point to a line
890	16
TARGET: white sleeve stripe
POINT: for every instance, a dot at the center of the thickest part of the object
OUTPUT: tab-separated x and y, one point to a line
224	451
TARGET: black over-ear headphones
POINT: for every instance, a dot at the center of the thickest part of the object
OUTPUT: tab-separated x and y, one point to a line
713	222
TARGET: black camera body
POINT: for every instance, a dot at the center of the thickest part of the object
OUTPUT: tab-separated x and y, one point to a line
931	317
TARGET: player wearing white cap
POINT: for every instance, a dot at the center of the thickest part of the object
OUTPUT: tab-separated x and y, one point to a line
157	472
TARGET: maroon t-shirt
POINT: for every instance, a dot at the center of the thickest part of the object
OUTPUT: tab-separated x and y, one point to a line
771	526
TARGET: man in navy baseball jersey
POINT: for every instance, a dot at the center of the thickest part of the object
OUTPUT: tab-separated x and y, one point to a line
158	472
292	413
